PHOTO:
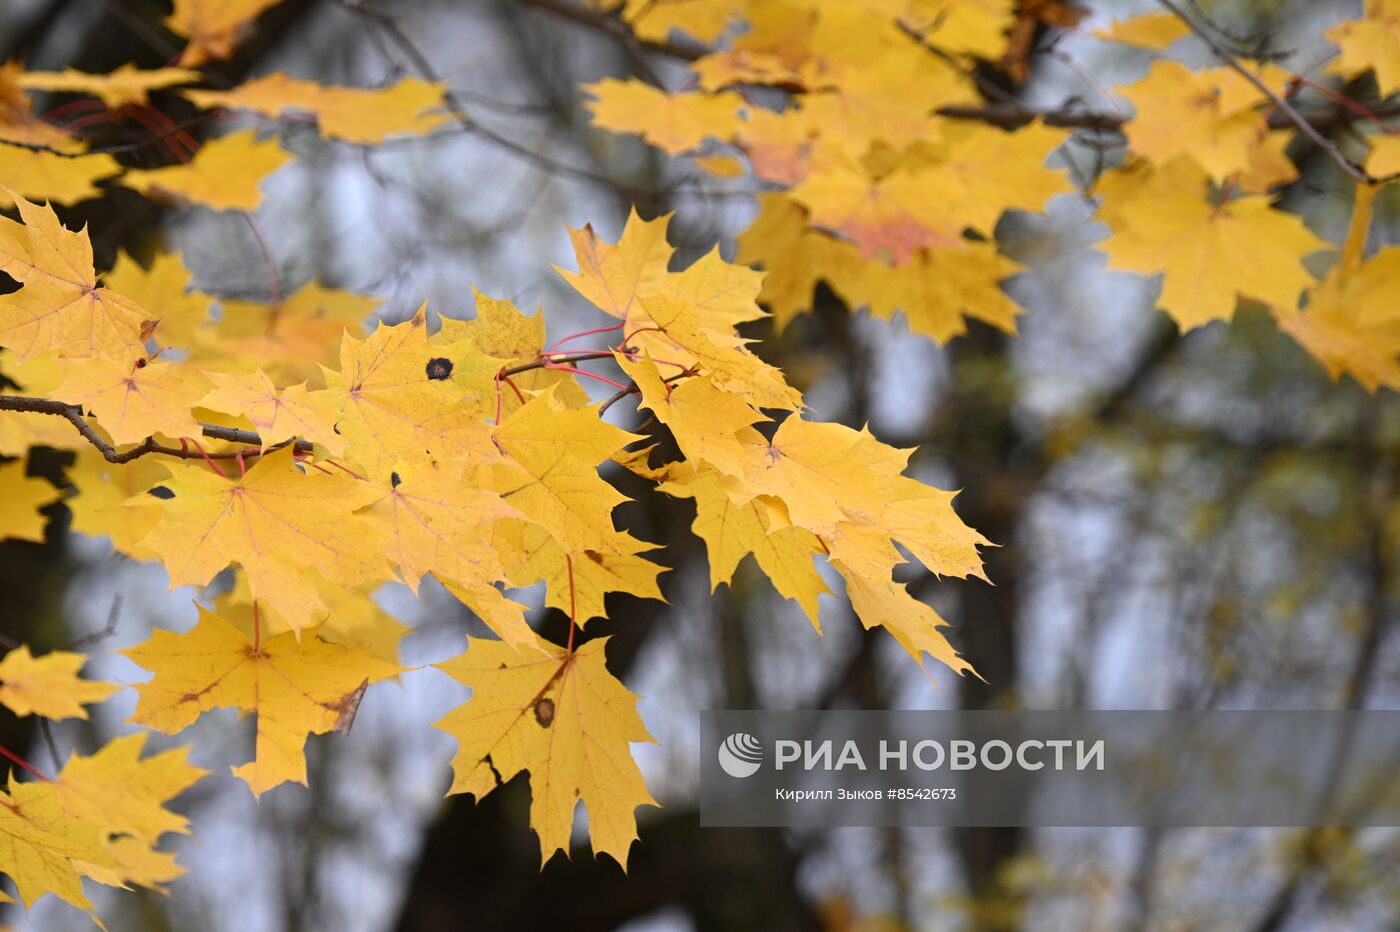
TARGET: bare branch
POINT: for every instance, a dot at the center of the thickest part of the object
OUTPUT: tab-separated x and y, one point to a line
74	415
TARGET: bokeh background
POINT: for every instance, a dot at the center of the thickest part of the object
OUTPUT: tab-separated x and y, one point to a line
1184	522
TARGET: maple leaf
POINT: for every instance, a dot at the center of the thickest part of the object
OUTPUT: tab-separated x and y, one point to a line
48	685
61	308
1370	43
224	174
705	20
135	402
395	401
295	687
704	420
20	431
126	795
18	121
564	718
1349	322
353	114
214	27
1209	254
47	176
118	88
277	414
1211	115
673	123
108	499
282	525
732	532
975	28
435	521
354	618
1154	31
165	286
614	276
21	497
291	337
45	850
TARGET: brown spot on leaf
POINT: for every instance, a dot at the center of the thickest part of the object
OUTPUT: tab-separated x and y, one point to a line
544	712
439	368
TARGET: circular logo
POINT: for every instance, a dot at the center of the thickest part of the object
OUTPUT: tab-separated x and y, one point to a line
741	755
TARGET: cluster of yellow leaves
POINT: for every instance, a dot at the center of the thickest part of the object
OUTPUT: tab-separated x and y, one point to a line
103	815
42	161
890	194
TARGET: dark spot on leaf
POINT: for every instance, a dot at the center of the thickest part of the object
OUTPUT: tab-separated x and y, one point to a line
544	712
439	368
394	480
336	428
346	707
162	493
595	556
140	363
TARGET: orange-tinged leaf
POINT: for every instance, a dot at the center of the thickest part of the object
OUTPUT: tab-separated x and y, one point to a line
284	525
565	719
48	685
361	115
295	687
21	497
135	402
61	308
224	174
291	338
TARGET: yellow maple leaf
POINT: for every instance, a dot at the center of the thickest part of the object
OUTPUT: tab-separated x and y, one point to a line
704	20
48	685
1209	255
289	338
399	398
1153	31
564	718
673	123
732	532
1372	42
61	308
46	176
613	275
224	174
1213	116
125	792
214	27
1349	322
576	586
295	687
21	497
434	520
359	115
165	287
118	88
704	420
978	28
45	850
135	402
283	525
277	414
353	618
18	430
112	501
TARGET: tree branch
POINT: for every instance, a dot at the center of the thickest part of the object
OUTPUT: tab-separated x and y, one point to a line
74	415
